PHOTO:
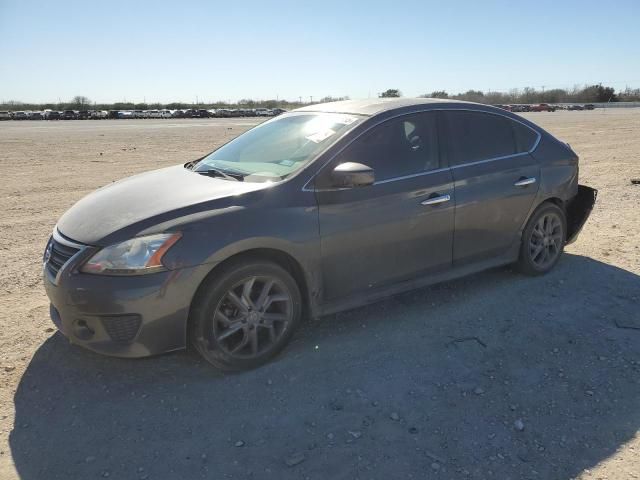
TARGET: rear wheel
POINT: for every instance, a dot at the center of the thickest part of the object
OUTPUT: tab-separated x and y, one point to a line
543	240
245	314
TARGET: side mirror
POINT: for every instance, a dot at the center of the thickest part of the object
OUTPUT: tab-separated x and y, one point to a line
351	174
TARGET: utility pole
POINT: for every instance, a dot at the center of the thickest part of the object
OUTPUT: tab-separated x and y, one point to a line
310	98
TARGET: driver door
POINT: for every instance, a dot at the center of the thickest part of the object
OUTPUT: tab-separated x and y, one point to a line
399	228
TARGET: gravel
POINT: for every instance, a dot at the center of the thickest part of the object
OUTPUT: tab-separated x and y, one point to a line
397	356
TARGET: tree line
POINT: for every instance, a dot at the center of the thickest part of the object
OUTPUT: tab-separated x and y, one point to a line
579	94
585	94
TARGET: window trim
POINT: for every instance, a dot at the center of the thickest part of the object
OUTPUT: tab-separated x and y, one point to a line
307	188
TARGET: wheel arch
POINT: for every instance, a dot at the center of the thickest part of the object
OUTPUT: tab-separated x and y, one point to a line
278	256
538	204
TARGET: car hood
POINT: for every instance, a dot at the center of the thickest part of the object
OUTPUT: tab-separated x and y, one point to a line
122	209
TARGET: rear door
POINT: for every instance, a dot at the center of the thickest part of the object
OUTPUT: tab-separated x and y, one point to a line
396	229
496	181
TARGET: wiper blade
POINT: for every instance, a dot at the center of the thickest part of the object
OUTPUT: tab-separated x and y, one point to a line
216	172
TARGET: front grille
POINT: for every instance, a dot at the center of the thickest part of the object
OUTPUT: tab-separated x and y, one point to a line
123	328
59	255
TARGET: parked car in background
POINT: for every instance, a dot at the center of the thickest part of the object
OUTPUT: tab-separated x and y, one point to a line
127	114
36	115
165	113
575	107
542	107
5	115
278	111
589	106
20	115
98	114
69	115
263	112
322	209
51	115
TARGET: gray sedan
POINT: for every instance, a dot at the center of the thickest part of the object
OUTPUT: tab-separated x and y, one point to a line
321	209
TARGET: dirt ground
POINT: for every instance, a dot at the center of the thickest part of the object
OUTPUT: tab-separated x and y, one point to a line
492	376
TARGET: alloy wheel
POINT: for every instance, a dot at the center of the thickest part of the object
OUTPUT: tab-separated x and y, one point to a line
252	316
545	243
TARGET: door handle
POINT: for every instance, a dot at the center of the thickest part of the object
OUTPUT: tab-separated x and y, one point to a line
436	200
523	182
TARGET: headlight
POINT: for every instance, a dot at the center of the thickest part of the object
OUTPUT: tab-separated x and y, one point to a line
137	256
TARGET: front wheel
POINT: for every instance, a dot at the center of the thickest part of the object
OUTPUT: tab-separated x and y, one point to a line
543	240
245	314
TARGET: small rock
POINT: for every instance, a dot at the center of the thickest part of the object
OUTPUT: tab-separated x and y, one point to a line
330	436
355	435
9	368
106	473
478	391
413	430
518	425
375	404
90	459
435	466
294	459
49	330
589	392
269	382
394	416
239	443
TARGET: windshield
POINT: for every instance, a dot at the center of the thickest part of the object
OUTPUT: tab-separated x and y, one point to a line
279	147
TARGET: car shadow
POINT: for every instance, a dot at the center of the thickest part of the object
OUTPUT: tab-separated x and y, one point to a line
492	376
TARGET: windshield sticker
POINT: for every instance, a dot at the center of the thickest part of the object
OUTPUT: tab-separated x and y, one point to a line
346	120
321	135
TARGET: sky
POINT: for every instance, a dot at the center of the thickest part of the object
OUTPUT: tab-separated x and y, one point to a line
188	50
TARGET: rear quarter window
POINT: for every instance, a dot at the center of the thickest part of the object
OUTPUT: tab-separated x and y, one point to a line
525	137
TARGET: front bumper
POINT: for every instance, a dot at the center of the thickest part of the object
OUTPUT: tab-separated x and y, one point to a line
133	316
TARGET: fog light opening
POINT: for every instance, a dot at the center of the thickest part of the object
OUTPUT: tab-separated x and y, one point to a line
82	330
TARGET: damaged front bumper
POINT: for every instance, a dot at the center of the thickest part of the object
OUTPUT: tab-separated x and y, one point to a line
578	211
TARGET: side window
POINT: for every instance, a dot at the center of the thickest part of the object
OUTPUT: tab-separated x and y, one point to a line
474	136
402	146
525	137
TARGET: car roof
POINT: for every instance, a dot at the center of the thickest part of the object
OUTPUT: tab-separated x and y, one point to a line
373	106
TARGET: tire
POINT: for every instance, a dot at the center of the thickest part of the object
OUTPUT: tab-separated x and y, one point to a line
543	243
235	325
